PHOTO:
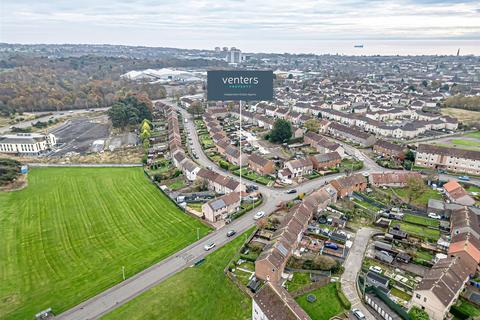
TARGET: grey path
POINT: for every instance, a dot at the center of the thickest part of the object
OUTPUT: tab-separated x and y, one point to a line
352	265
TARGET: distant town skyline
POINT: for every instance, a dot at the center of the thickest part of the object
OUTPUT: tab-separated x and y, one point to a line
268	26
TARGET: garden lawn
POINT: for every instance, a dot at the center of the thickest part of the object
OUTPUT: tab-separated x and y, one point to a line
468	308
400	294
419	231
422	200
299	280
425	221
327	305
202	292
67	235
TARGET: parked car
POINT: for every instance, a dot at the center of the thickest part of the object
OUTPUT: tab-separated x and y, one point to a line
434	216
259	215
375	269
358	314
331	245
292	191
209	246
464	178
231	233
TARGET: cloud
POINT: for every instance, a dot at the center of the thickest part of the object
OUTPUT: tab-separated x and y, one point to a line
148	22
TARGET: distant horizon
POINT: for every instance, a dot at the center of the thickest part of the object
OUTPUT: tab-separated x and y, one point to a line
371	47
276	26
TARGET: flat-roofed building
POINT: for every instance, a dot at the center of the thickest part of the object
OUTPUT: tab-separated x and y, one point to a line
27	144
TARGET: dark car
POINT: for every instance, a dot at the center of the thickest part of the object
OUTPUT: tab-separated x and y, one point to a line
291	191
231	233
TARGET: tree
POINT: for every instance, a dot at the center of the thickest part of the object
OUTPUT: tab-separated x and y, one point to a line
425	83
130	111
312	125
281	132
415	187
418	314
196	108
410	155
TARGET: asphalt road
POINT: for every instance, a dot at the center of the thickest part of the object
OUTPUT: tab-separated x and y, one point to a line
51	115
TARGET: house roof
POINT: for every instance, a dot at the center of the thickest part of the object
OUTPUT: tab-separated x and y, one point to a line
451	152
255	158
224	201
276	303
348	181
445	279
392	177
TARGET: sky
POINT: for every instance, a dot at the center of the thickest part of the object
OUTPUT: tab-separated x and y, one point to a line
261	25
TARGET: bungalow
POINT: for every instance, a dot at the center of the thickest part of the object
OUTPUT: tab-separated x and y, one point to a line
392	179
457	194
219	208
326	160
345	186
260	164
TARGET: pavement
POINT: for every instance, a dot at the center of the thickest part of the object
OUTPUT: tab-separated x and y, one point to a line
352	266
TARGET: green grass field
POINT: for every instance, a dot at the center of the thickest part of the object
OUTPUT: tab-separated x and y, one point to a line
327	305
202	292
66	236
464	142
475	134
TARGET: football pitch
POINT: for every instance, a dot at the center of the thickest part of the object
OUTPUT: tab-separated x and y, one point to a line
67	235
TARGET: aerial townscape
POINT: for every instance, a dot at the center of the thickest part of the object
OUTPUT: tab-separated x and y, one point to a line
128	192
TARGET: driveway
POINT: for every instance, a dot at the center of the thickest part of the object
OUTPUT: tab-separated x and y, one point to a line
352	266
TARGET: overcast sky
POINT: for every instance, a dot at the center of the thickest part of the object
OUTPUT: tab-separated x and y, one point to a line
204	24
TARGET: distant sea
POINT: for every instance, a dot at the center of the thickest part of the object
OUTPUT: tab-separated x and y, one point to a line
370	47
